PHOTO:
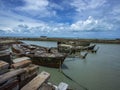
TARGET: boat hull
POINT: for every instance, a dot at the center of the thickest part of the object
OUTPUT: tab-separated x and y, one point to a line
53	62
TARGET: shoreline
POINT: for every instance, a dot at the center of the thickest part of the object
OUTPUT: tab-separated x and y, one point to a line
104	41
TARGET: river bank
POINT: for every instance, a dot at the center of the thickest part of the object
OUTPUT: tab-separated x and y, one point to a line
106	41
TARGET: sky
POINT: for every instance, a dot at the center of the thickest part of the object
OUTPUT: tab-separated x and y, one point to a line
60	18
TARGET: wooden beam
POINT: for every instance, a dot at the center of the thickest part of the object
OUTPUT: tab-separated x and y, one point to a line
11	74
37	82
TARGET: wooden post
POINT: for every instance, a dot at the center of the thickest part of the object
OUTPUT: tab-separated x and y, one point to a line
60	66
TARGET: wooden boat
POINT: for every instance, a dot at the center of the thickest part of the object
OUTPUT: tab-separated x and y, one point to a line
40	55
75	43
54	60
89	47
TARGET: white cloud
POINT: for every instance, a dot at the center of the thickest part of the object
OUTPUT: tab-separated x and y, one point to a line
91	24
39	8
116	13
11	20
35	5
13	25
85	4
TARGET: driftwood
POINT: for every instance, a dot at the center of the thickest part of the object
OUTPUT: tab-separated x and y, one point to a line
36	83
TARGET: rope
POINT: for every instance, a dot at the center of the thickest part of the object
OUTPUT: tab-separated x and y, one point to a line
85	88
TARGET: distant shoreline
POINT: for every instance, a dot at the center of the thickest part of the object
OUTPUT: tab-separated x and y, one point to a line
107	41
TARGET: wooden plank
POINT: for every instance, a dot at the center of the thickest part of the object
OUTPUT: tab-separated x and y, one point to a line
11	74
21	64
3	65
20	59
30	69
14	85
4	71
36	83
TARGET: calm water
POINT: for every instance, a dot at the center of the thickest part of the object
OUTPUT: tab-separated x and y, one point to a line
100	71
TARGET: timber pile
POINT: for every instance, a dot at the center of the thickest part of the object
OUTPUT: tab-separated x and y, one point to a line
31	70
3	67
21	72
37	82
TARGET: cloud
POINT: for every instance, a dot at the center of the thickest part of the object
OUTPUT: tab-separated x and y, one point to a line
38	8
116	12
85	4
54	17
91	24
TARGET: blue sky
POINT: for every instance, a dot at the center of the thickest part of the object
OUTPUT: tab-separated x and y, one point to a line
61	18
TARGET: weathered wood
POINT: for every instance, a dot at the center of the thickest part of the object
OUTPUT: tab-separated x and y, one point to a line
3	65
31	68
21	64
20	59
36	83
4	71
14	85
31	72
11	74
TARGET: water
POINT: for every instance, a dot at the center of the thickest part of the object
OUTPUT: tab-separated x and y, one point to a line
100	71
42	43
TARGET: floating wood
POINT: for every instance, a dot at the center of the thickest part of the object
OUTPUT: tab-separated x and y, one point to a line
36	83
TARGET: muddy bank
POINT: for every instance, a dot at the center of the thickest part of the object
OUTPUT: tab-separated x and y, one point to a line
107	41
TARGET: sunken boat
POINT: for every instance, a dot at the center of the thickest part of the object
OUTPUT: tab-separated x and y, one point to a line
54	60
75	43
40	55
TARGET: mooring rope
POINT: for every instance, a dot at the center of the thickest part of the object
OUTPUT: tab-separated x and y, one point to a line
85	88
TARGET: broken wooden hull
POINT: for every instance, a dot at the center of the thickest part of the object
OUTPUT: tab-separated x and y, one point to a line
54	62
73	43
40	55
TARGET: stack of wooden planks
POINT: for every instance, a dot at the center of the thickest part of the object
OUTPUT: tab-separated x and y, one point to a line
37	82
3	67
19	74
